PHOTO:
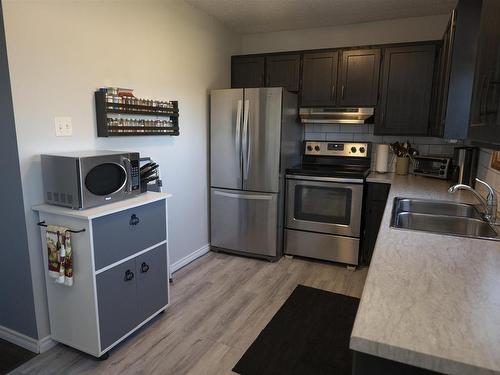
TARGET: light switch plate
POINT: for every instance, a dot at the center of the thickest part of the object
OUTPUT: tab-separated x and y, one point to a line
63	126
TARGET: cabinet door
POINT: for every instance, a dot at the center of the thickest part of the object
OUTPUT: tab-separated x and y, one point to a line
121	234
359	76
247	71
406	88
152	281
319	79
376	200
438	112
485	121
117	302
283	71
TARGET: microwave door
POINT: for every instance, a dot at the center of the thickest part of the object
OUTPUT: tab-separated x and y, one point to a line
102	177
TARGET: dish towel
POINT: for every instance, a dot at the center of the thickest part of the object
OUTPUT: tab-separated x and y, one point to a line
60	254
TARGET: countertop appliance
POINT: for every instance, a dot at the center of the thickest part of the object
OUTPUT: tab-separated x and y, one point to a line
337	115
325	199
432	166
86	179
254	137
465	161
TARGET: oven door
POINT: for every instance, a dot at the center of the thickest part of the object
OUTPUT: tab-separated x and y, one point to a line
105	178
324	206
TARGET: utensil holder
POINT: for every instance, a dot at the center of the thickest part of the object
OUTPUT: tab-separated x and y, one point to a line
402	164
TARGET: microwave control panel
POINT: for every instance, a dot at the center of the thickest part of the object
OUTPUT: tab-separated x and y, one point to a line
135	171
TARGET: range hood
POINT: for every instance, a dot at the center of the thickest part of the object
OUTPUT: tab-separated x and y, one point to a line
337	115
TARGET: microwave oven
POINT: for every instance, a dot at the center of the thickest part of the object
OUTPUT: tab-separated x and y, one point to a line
432	166
80	180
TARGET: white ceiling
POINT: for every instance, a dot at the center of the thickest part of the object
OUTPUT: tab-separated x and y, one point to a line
255	16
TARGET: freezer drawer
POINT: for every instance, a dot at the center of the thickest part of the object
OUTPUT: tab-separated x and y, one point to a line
322	246
244	221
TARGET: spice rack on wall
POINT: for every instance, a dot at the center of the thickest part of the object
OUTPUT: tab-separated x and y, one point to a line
128	116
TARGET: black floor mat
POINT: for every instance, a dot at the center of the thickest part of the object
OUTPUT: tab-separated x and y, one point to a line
309	335
12	356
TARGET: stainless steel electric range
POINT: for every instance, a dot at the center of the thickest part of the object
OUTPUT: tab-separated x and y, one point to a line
325	199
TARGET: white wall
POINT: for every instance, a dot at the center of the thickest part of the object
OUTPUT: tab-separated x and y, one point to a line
61	51
380	32
486	173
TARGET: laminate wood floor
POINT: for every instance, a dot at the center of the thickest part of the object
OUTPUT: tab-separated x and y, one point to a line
219	305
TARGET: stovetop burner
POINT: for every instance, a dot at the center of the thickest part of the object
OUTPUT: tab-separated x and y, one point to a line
334	159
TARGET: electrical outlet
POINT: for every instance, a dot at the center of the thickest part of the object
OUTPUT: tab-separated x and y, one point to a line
63	126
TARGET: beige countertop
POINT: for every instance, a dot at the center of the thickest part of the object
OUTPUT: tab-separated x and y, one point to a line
430	300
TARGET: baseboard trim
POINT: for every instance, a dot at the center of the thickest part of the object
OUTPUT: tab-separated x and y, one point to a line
19	339
45	344
26	342
189	258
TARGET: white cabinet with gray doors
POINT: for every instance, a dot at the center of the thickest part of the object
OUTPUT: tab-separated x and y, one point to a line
121	271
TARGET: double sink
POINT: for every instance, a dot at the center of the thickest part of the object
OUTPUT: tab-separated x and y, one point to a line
452	218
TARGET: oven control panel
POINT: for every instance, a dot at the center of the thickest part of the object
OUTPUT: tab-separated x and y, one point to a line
333	148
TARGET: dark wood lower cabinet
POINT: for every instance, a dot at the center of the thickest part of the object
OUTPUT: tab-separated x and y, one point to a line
366	364
375	202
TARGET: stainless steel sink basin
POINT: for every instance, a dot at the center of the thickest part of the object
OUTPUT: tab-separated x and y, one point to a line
422	206
452	218
461	226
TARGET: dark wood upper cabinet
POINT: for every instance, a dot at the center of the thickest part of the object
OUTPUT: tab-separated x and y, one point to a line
319	78
455	81
247	71
405	92
359	77
283	71
485	121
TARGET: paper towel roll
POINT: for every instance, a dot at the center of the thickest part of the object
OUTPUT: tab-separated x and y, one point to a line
382	157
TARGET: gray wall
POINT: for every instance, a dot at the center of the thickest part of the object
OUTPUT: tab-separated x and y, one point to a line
17	310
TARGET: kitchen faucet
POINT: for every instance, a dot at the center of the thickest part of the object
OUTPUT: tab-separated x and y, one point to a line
489	204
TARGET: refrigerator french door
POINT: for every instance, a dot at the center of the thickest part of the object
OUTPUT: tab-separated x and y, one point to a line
245	140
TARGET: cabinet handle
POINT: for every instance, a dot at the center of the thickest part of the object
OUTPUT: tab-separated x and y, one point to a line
333	92
144	267
342	94
134	220
129	275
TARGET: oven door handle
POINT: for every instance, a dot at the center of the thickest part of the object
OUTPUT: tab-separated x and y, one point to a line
324	179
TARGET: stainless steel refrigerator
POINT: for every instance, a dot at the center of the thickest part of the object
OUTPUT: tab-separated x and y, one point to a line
254	136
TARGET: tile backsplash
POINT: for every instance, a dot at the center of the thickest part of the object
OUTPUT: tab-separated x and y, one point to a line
364	133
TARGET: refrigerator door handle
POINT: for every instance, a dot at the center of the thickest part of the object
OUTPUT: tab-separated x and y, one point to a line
237	127
244	196
246	142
